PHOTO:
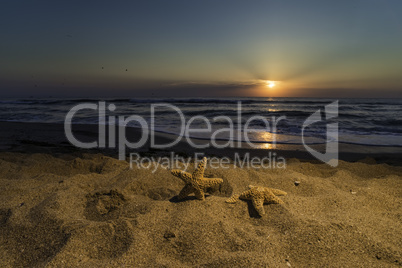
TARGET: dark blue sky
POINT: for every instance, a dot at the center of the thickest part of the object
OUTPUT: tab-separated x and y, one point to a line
201	48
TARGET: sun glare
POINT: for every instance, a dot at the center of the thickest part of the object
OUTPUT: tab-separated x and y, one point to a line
270	84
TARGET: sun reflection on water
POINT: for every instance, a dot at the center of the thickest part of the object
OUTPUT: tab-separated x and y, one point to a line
269	140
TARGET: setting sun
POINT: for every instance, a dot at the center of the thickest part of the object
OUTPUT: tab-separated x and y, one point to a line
271	84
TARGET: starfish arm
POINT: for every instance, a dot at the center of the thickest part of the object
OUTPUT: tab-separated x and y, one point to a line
269	197
199	172
187	189
258	204
205	183
233	199
199	194
278	192
247	195
184	176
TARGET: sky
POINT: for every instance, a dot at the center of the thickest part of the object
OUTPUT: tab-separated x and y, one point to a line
224	48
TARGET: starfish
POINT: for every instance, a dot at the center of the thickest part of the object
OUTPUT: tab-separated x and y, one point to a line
195	183
259	195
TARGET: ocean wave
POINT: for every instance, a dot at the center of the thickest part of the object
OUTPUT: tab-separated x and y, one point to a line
362	117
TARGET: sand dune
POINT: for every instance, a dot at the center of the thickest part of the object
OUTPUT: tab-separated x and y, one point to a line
94	210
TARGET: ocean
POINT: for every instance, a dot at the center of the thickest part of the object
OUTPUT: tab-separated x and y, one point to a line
373	122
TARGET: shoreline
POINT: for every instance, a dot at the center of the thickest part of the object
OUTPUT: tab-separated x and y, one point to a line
50	138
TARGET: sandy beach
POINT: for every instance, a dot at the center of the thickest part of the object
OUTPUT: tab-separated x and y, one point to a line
67	208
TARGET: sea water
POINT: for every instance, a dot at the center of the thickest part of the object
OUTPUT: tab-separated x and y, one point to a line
375	122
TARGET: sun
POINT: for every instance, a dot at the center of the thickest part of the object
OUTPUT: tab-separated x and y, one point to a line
271	84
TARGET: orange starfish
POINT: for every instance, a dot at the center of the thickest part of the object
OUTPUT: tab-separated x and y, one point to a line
195	183
259	195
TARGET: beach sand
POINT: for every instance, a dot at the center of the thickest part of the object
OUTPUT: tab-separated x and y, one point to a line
66	208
